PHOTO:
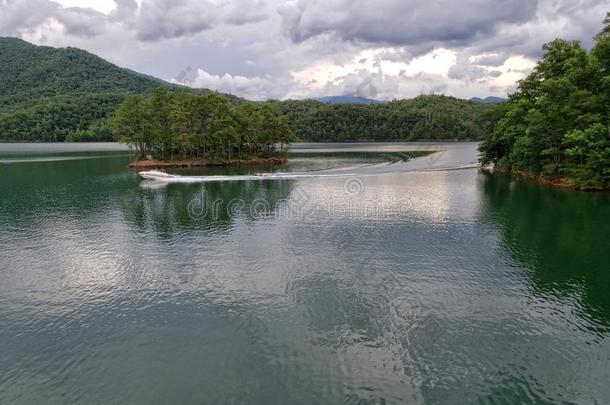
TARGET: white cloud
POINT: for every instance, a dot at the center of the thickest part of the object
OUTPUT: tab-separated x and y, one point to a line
464	69
252	88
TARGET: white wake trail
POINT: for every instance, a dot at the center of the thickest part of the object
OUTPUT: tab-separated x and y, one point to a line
445	156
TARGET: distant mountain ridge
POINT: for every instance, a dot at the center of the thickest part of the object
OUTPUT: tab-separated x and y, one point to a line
347	100
488	100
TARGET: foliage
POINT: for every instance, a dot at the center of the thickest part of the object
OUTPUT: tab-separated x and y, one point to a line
29	72
56	119
50	94
588	156
170	126
64	94
420	118
557	124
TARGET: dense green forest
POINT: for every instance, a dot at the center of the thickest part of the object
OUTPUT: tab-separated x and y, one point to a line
31	72
64	94
51	94
421	118
173	126
557	125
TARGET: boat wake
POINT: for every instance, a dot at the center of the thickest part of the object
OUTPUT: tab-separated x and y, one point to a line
448	157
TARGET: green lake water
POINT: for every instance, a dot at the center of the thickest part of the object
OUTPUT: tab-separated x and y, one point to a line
430	282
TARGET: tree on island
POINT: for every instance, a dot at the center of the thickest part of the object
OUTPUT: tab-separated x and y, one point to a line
178	126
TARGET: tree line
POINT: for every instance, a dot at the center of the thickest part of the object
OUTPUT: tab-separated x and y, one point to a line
86	117
64	94
70	118
557	124
177	126
426	117
67	94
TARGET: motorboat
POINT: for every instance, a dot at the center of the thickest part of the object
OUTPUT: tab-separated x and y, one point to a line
156	175
160	177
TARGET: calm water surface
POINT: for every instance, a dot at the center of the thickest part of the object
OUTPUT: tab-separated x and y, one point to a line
436	287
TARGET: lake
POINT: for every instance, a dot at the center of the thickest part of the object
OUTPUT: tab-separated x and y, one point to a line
429	281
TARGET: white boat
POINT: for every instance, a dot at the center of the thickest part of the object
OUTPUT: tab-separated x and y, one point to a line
156	175
159	176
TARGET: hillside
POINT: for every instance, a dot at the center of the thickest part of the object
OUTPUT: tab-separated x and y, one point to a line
429	117
67	94
58	94
29	72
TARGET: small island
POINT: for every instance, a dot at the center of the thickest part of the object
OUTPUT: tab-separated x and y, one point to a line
176	129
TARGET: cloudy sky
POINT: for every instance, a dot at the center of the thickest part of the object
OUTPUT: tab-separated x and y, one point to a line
261	49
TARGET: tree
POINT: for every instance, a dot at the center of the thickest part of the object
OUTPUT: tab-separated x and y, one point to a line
130	125
588	154
557	123
168	125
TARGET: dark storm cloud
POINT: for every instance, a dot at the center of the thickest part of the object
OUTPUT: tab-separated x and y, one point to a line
400	22
405	54
159	19
154	20
272	48
569	19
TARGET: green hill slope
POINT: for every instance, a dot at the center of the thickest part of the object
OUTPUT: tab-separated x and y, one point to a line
67	94
28	72
431	117
58	94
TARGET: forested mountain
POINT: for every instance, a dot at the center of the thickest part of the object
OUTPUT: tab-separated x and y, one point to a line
29	72
67	94
557	125
421	118
57	94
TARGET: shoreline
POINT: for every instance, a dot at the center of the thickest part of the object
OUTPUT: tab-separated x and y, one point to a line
158	164
562	183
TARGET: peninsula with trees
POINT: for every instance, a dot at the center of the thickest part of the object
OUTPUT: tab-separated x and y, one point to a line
556	127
